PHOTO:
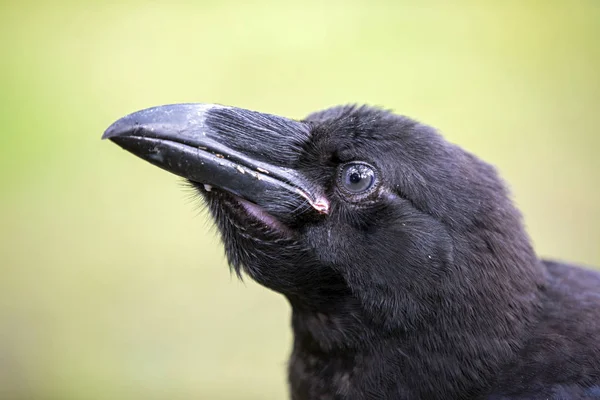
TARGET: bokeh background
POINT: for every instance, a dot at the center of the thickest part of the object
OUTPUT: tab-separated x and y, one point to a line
113	284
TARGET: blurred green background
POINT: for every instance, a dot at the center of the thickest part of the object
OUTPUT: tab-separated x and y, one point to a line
113	283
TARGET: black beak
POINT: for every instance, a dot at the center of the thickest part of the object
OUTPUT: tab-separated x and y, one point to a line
246	153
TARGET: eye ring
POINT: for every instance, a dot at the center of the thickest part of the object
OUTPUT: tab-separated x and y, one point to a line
357	178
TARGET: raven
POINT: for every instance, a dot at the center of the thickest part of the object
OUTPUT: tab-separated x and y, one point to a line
407	267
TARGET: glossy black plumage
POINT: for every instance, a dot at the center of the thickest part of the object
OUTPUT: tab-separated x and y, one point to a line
424	287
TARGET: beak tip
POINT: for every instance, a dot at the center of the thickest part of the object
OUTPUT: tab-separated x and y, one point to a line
116	129
106	135
171	114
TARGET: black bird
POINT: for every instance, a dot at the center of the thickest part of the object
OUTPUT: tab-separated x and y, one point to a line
407	267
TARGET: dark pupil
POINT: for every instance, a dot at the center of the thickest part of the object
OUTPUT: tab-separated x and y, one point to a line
355	177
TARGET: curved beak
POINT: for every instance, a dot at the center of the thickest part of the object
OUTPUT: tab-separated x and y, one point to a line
246	153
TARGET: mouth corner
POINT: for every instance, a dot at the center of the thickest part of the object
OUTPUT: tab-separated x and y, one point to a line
260	215
241	211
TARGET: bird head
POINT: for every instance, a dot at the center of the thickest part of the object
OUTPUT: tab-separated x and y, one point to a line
352	205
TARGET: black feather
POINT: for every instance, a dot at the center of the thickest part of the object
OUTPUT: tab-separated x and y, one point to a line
420	284
427	289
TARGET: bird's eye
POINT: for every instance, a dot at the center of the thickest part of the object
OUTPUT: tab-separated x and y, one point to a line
357	178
